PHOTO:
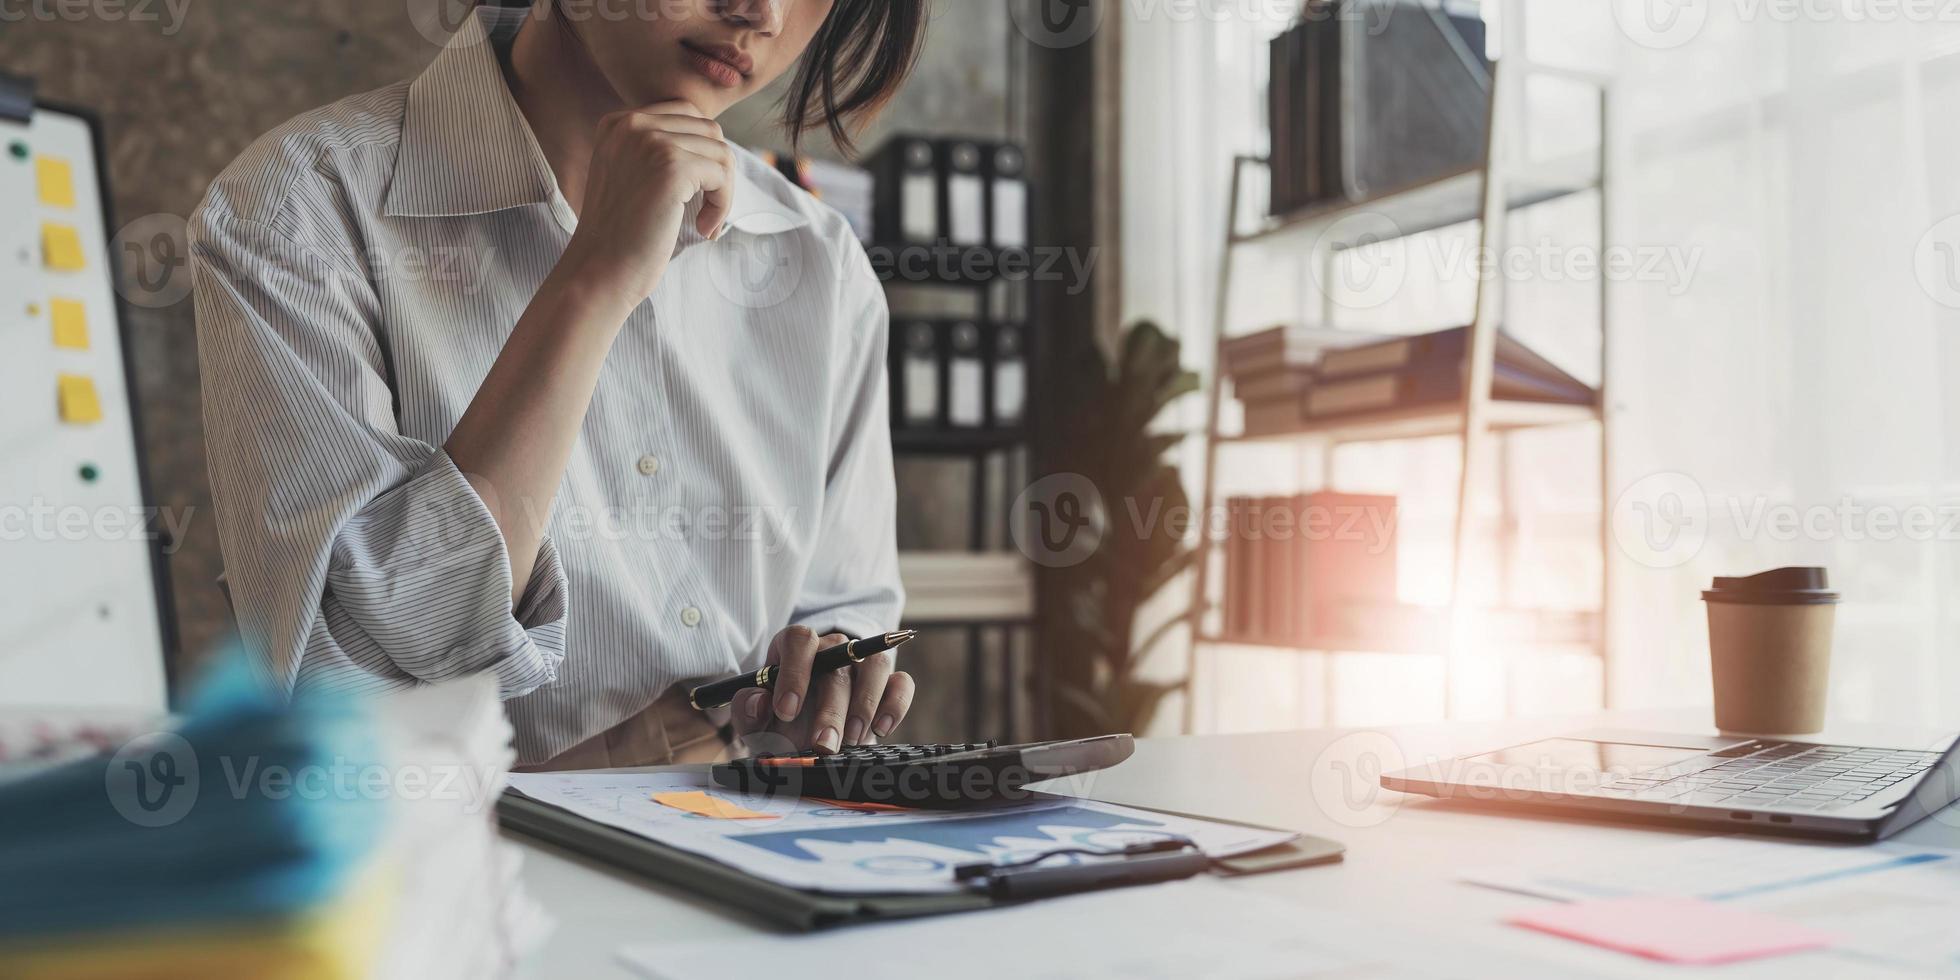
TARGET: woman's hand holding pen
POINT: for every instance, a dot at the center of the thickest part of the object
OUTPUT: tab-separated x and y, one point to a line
828	710
648	166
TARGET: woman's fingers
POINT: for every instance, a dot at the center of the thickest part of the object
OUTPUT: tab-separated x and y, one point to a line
791	652
895	704
714	174
749	712
830	698
867	691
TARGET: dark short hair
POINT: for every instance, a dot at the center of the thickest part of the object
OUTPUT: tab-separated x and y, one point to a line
854	66
858	61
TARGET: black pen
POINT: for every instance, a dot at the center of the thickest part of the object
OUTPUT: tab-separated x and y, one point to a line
721	692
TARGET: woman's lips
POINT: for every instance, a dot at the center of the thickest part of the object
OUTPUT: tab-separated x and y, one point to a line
726	67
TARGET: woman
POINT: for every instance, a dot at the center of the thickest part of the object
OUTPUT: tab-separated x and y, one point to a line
520	368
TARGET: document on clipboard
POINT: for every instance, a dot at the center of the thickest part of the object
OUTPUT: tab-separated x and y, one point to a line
842	848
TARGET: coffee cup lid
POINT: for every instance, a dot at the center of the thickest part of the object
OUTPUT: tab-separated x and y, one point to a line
1778	587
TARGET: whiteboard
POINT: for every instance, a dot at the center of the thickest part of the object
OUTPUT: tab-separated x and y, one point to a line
82	620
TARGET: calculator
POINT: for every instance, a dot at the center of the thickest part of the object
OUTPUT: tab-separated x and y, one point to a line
934	776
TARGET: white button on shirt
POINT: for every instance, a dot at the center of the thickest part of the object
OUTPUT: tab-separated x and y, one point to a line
358	271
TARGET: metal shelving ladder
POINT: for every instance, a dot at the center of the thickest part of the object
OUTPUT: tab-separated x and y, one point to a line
1488	194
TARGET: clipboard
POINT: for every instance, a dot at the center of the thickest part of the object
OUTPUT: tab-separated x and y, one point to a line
807	911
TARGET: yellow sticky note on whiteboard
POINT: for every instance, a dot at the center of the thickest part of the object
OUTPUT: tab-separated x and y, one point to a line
70	325
61	248
80	404
56	180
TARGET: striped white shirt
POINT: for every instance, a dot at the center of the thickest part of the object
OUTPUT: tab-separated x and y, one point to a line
358	271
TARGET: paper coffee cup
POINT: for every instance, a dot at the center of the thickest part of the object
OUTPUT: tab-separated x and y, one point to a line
1769	640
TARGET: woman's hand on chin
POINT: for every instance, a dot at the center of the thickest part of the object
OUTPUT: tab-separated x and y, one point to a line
648	166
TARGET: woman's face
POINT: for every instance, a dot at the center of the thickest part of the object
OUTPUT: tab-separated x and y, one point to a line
712	53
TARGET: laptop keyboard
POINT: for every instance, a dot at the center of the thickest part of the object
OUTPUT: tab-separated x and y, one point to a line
1783	775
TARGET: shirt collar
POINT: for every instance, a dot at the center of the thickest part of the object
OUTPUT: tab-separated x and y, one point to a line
466	148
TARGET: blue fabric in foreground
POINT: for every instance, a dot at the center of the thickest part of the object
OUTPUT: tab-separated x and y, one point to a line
249	810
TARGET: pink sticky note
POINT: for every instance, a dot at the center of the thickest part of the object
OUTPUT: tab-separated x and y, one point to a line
1675	930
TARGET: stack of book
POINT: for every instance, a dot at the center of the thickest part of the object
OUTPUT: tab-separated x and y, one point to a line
1271	371
1293	563
1282	392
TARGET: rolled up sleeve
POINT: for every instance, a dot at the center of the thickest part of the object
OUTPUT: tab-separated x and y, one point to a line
357	558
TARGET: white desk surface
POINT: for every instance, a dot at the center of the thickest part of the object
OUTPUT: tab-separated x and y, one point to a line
1403	859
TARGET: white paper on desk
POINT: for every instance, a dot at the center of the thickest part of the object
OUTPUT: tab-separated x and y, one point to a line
1175	931
812	845
1892	903
1713	868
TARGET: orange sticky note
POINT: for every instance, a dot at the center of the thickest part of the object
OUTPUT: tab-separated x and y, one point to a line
56	180
79	403
70	325
702	805
61	248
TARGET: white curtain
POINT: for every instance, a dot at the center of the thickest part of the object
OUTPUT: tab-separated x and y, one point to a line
1786	404
1776	360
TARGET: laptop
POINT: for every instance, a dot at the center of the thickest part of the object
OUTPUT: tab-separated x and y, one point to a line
1762	784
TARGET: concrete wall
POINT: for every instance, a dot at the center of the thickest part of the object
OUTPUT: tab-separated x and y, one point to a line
183	91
